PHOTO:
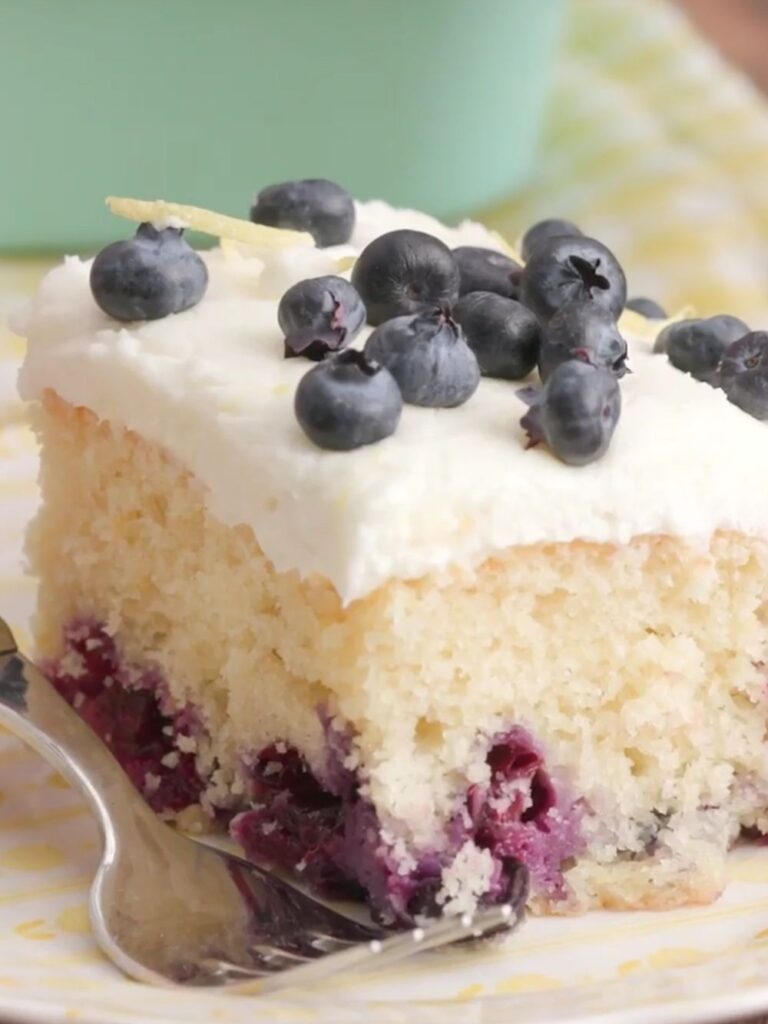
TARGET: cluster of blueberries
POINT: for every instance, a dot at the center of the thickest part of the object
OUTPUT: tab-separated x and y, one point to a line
723	352
443	318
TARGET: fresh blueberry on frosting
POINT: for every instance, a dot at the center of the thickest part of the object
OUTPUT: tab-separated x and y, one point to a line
149	276
728	326
575	413
583	331
503	334
697	346
429	358
404	272
347	401
662	338
564	270
486	270
648	308
320	207
543	231
319	315
744	374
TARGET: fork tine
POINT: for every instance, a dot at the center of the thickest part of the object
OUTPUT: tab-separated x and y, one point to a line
332	943
305	945
310	944
280	958
377	953
224	972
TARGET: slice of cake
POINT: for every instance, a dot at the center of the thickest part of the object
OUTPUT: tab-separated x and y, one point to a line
360	614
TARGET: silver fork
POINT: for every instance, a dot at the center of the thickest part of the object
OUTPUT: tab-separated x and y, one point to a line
170	911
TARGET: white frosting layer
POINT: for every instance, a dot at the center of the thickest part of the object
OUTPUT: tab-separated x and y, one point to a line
452	486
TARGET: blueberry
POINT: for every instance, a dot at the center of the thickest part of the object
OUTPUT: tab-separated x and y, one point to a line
502	333
744	374
423	903
319	315
347	401
565	270
727	326
648	308
405	272
662	338
149	276
583	331
576	412
543	232
323	208
697	346
429	358
486	270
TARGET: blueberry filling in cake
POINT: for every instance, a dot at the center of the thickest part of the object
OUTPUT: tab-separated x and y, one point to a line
321	827
420	565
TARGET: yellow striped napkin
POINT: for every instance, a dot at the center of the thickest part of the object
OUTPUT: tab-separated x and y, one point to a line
18	279
660	149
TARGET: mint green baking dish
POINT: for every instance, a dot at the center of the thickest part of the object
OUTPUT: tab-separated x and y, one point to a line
429	103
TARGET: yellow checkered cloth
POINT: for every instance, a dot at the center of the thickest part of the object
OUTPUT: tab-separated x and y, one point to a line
657	147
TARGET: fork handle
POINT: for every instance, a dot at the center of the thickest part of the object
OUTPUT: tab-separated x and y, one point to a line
32	709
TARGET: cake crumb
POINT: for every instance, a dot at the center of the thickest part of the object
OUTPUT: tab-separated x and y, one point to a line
466	879
400	852
171	759
237	786
478	771
151	783
72	664
186	744
217	792
193	819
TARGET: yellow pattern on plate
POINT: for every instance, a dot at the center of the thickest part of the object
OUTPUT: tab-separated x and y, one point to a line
31	857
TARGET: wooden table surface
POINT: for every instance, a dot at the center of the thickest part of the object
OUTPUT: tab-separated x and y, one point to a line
738	28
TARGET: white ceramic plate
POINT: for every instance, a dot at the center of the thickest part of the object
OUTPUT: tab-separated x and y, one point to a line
700	964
